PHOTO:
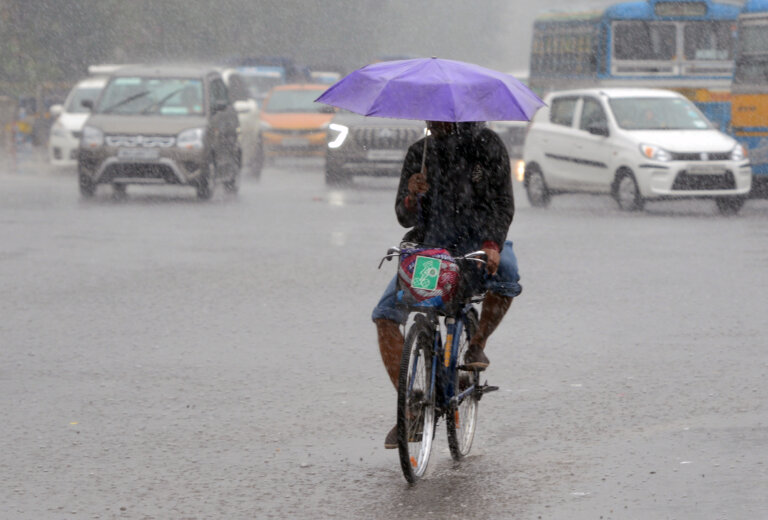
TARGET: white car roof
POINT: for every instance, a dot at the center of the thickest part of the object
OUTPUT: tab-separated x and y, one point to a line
97	82
618	92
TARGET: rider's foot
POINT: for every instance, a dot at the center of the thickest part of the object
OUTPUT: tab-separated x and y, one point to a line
417	424
475	358
390	442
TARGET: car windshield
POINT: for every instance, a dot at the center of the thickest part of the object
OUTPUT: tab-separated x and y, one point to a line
75	102
658	113
157	96
293	101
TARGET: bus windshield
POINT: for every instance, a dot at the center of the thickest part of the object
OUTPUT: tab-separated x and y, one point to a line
658	113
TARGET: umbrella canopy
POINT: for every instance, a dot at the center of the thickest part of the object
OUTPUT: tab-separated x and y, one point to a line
433	89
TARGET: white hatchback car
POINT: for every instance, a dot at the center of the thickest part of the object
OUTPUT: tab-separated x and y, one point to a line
634	144
66	130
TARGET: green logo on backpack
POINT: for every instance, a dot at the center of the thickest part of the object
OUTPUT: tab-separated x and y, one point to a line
426	273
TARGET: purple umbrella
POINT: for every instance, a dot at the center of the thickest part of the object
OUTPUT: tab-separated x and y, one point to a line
433	89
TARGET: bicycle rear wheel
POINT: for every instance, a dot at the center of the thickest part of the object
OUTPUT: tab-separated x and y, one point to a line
416	401
461	419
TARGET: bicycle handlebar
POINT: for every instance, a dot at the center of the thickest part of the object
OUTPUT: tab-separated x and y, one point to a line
476	256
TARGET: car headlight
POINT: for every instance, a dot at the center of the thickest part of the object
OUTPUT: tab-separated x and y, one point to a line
738	153
92	137
337	134
655	152
192	139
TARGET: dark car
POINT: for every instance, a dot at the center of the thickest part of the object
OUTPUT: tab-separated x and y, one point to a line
161	125
373	146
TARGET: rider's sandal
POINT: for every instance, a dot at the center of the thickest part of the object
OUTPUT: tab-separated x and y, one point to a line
390	442
475	358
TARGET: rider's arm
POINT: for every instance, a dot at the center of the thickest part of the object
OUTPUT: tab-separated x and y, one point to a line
405	203
500	200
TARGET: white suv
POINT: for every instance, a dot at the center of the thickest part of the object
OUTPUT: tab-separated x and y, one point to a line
634	144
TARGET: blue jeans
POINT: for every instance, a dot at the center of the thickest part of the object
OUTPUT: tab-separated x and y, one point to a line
506	282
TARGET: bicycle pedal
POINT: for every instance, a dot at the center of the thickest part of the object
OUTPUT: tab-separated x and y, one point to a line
486	388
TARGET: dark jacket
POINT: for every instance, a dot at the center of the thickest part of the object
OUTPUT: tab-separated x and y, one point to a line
469	201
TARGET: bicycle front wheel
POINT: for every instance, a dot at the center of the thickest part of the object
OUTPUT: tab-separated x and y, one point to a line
416	401
461	419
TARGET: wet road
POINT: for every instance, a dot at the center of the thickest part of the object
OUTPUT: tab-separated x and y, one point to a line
164	359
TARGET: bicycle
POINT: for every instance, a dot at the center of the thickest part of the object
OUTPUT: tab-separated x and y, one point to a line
432	383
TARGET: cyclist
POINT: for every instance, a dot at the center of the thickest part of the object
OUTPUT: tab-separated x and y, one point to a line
461	201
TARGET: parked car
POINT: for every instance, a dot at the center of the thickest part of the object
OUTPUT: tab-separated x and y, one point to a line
634	144
161	125
248	117
372	146
66	130
292	124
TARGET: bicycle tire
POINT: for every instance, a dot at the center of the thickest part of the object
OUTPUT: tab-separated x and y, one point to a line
416	412
461	419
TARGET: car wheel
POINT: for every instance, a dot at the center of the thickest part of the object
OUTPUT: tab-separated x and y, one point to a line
335	174
536	188
205	183
119	191
87	186
626	192
729	205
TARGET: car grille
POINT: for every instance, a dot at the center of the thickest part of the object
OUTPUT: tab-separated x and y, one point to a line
139	171
691	182
699	156
146	141
386	138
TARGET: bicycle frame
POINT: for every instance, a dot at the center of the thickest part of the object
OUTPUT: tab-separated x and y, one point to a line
445	359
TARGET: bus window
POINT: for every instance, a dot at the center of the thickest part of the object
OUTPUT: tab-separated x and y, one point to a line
754	39
561	112
708	41
644	41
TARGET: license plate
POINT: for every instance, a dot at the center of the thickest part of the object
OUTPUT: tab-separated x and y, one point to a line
705	169
296	142
138	153
386	155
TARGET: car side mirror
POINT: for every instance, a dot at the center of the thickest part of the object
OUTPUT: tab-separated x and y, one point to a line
56	110
598	130
87	103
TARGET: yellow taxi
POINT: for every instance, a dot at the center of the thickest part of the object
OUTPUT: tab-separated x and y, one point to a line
292	124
